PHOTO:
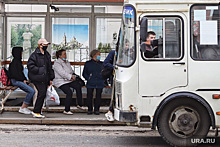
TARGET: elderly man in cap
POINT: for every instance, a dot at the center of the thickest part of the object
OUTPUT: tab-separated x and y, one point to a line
40	73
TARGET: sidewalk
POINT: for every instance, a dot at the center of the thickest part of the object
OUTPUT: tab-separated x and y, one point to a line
54	116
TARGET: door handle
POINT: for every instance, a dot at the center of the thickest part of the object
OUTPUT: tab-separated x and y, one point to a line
181	63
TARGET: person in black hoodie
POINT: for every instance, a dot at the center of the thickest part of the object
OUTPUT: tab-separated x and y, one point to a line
40	73
18	78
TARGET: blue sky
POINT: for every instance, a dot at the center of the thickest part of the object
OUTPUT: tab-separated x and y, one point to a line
81	33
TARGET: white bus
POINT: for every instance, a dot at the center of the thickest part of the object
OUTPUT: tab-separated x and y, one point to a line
177	90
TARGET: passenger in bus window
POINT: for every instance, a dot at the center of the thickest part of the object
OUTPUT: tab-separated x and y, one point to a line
206	52
151	51
127	54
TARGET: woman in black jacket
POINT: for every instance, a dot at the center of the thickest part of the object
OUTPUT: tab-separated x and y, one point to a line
18	78
92	73
40	73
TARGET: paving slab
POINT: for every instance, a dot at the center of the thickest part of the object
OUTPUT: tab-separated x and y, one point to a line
56	117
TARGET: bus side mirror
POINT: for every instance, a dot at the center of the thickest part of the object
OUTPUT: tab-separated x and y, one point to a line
143	29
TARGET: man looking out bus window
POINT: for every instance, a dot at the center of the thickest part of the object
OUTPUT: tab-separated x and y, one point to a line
151	51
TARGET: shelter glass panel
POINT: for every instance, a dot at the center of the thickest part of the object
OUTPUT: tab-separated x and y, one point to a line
71	8
25	8
107	30
1	34
108	9
71	34
24	32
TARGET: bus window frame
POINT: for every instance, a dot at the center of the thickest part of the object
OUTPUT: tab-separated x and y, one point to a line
182	39
135	24
191	27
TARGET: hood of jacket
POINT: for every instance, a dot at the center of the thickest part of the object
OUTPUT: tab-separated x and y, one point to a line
16	52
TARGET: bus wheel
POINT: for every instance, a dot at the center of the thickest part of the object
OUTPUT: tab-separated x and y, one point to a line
183	122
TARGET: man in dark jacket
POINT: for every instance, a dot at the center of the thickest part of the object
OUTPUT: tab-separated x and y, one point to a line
40	73
18	79
108	63
151	51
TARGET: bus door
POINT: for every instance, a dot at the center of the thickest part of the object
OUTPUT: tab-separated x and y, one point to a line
163	62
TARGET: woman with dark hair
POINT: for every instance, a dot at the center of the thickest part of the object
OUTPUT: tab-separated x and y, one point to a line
92	73
18	79
65	79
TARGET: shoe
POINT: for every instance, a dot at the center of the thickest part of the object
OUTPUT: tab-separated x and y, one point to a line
68	113
89	113
37	115
80	107
109	116
24	111
96	112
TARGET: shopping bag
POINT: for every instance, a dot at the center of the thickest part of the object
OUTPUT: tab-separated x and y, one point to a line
52	98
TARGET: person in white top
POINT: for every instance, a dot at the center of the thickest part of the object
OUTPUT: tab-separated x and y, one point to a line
65	79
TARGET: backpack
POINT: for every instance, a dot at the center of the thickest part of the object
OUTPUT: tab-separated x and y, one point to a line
5	77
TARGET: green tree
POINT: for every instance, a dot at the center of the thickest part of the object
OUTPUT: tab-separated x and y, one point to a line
14	36
100	46
20	30
36	31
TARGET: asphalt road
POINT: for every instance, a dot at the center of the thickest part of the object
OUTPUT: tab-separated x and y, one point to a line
80	136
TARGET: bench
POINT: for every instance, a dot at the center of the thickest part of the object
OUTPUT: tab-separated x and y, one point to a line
5	97
7	91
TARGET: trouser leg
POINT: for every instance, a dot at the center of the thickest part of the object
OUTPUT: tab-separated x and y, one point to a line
42	89
98	99
90	98
78	89
66	89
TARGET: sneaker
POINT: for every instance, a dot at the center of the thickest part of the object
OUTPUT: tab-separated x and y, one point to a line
80	107
109	116
24	111
68	113
38	115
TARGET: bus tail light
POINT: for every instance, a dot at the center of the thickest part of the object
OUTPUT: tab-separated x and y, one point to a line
218	113
216	96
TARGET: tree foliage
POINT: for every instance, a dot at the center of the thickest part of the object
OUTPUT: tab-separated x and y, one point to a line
104	48
18	30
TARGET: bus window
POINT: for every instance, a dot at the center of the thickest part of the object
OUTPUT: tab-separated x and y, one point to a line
205	32
167	32
126	50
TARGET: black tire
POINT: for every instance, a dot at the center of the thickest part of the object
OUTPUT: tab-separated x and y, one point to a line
183	120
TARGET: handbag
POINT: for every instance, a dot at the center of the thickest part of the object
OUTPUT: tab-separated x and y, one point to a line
106	73
79	80
52	98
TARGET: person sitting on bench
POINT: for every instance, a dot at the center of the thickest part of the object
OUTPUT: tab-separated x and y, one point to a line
18	79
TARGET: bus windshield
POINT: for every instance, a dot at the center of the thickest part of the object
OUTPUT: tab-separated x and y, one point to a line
126	51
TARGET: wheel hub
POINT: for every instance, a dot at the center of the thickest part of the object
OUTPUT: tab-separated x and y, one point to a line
183	121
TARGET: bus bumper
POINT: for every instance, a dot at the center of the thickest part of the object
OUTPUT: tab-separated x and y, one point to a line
125	116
